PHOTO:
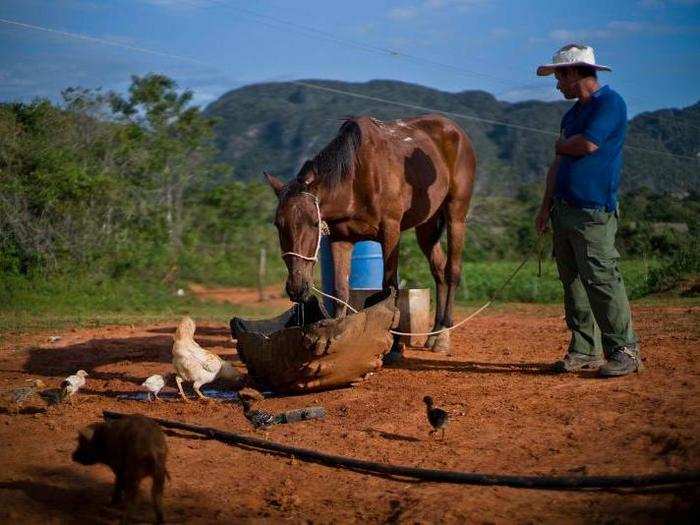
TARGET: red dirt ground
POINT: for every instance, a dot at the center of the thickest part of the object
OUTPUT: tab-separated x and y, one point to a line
510	415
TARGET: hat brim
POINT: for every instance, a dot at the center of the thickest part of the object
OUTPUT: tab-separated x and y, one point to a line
548	69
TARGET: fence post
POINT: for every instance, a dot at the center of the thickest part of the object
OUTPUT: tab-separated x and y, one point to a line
262	270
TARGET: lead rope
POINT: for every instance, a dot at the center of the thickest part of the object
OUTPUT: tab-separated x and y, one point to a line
535	248
322	229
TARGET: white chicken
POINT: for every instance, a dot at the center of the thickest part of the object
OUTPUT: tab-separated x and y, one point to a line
194	363
153	384
71	385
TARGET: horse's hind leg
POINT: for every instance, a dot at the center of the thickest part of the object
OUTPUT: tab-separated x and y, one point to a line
428	237
456	231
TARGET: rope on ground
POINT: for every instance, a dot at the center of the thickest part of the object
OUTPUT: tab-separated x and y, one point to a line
438	476
535	248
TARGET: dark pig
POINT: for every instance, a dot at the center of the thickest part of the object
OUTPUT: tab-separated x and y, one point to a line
133	447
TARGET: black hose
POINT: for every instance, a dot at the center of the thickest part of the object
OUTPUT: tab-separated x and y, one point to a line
441	476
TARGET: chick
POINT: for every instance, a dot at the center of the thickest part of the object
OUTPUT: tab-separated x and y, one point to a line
194	363
52	396
71	385
22	394
153	385
437	417
259	418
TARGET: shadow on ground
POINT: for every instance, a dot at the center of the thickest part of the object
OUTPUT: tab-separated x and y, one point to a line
96	353
412	363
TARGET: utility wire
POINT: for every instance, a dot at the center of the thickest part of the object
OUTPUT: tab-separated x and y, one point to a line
314	86
103	41
313	32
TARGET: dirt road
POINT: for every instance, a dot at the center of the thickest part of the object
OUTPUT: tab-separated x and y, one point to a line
510	415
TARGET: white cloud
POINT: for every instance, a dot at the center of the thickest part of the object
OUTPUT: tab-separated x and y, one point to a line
616	28
411	11
518	94
500	32
462	5
180	4
661	4
651	4
403	13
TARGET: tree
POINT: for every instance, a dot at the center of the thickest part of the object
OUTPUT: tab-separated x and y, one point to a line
177	138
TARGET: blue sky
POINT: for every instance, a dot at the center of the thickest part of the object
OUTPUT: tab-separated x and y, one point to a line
653	46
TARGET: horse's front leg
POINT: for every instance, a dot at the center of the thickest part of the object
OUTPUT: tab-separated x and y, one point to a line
341	252
389	238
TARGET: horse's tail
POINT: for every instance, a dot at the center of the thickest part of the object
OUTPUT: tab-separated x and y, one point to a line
440	224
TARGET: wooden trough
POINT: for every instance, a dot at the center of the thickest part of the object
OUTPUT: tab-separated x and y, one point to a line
287	354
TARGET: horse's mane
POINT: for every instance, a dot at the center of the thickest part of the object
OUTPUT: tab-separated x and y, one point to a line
337	161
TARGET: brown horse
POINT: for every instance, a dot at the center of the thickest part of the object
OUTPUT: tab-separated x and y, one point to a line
371	182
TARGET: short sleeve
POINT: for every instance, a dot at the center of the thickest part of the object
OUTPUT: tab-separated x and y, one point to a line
606	118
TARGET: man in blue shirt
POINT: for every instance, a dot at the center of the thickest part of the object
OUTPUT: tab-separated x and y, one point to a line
580	200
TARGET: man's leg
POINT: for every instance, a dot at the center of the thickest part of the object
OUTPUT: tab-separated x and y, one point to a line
583	352
597	261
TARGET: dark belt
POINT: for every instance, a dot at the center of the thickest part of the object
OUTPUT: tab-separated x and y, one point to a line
569	204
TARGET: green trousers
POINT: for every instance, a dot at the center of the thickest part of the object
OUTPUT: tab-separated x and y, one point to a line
595	301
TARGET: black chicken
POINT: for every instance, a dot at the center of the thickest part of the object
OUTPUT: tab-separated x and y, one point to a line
437	417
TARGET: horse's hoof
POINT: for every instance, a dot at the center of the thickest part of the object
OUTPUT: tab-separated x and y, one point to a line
441	344
430	341
392	357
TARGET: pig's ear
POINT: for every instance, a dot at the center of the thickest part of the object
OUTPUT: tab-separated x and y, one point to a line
87	433
276	183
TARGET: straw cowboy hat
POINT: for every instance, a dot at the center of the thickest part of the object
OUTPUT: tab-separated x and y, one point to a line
571	55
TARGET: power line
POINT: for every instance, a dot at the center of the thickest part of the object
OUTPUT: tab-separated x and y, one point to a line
303	29
264	19
421	108
103	41
315	86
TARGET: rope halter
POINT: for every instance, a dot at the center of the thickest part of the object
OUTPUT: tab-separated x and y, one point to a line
322	230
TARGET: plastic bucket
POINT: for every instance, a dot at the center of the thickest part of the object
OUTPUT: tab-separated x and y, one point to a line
366	269
366	266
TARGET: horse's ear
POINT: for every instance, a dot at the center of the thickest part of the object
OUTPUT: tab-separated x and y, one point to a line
307	174
273	181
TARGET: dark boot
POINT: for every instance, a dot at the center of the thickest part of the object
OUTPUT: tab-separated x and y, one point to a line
576	362
622	360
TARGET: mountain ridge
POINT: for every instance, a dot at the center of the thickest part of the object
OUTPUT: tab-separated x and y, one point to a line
277	125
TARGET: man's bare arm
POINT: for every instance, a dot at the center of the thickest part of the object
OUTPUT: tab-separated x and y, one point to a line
543	215
575	146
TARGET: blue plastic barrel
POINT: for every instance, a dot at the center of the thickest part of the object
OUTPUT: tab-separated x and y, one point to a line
366	269
367	266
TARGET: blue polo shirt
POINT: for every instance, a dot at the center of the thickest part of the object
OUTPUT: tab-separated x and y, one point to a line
592	181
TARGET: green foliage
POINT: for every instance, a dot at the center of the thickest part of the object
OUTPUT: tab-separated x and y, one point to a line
683	263
108	203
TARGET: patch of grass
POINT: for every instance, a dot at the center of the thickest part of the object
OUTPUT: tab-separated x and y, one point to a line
46	305
480	280
39	304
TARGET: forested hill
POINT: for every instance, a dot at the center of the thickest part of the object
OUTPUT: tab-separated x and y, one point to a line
275	126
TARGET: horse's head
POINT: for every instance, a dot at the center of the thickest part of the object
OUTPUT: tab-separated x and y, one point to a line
297	221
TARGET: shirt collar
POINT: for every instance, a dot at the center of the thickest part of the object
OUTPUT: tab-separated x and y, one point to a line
600	91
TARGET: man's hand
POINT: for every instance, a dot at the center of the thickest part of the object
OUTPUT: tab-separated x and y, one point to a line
557	145
575	146
542	220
